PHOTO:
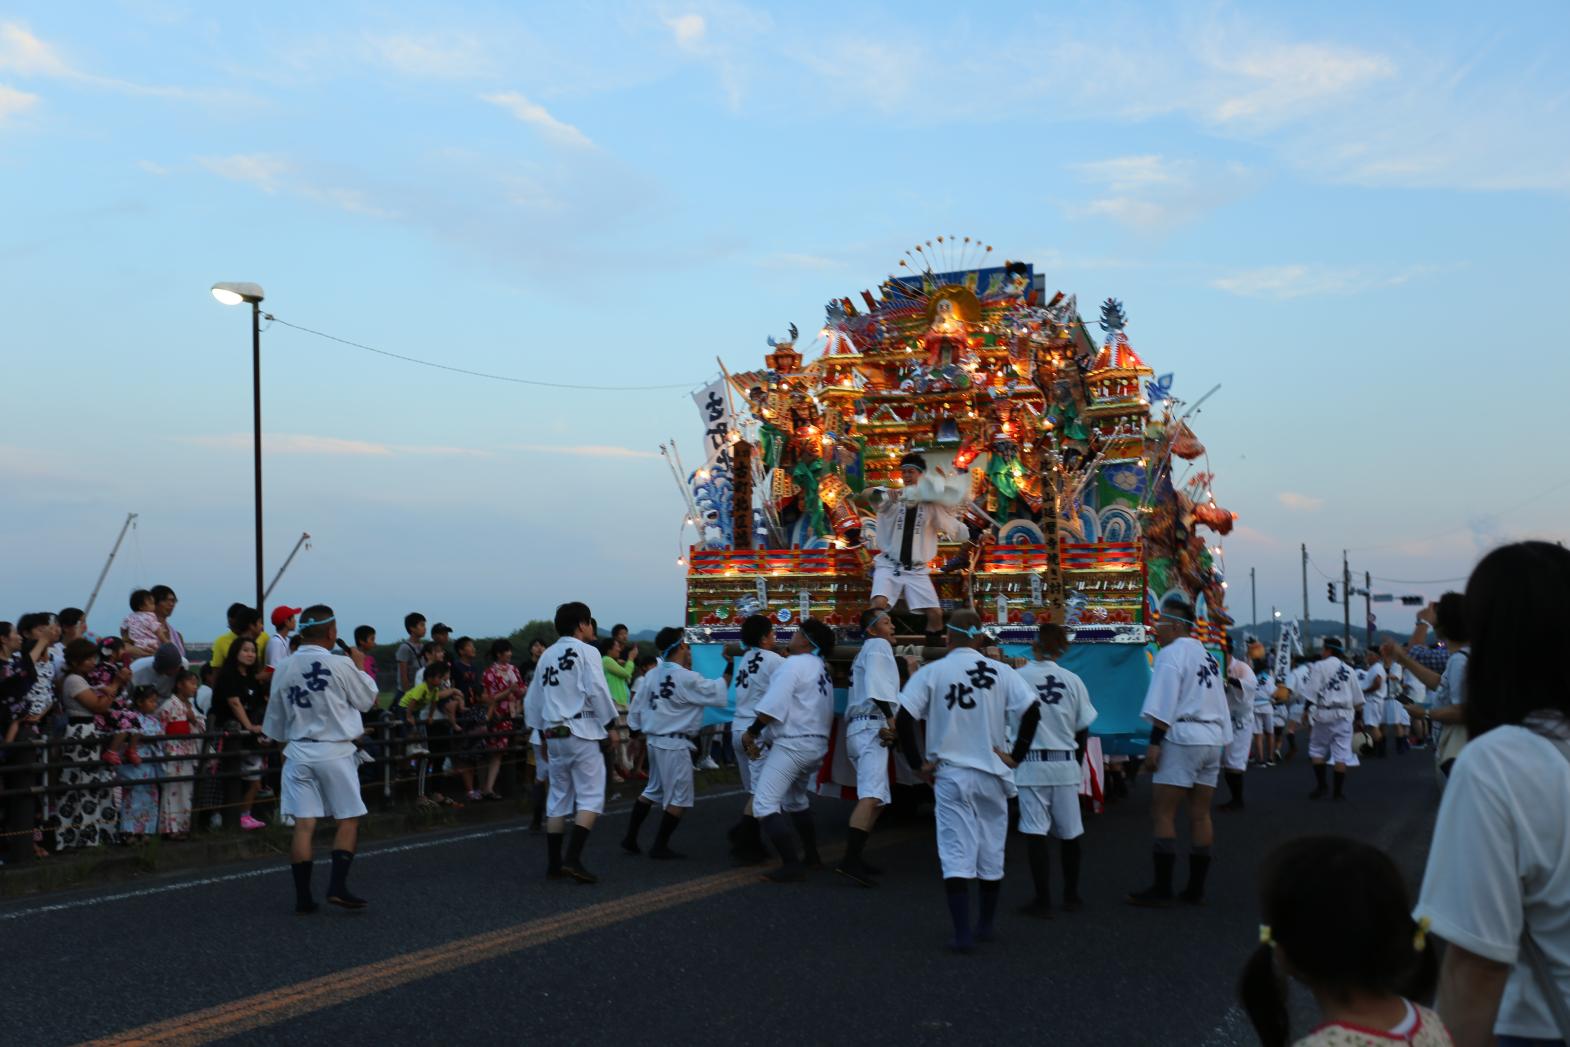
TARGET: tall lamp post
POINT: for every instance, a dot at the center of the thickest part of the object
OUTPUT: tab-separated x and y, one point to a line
234	294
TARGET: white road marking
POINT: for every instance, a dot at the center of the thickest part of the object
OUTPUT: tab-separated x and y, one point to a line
250	874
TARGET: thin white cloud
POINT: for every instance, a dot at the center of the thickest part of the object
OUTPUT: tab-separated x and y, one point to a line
25	54
1299	502
1151	193
538	117
303	443
263	170
1278	82
152	167
1283	282
687	29
13	102
789	260
584	450
456	55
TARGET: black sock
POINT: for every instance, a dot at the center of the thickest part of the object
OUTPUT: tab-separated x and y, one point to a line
580	836
808	832
1340	780
957	891
553	842
937	639
783	837
1165	859
302	886
752	835
338	886
1036	851
855	842
990	890
1198	869
640	812
1071	856
1235	786
1319	776
668	824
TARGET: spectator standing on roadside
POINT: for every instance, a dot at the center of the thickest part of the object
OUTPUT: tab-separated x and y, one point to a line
469	716
239	700
179	719
1497	886
407	657
280	646
243	621
619	665
86	816
139	796
365	643
1447	705
164	603
501	692
441	636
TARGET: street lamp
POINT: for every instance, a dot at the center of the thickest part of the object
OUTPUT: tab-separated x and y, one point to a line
233	294
1276	618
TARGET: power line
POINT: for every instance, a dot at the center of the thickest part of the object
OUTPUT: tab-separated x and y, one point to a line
1545	492
480	374
1419	581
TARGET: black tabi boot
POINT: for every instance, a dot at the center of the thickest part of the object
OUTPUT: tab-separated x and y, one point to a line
1040	875
1319	783
640	813
1198	869
1159	894
808	832
553	842
1071	857
957	892
783	836
338	886
572	861
304	904
851	866
669	823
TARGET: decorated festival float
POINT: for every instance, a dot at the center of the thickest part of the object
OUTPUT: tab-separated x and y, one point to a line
1084	492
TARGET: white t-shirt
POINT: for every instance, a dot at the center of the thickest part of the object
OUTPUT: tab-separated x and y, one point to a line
1452	682
1187	695
1065	711
277	651
673	699
315	705
874	676
1333	687
754	669
967	699
922	521
800	697
1264	693
1413	688
1501	850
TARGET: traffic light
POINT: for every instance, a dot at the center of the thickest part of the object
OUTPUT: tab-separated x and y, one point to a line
1330	591
1411	601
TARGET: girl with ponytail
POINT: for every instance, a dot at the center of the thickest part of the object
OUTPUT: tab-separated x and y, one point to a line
1337	919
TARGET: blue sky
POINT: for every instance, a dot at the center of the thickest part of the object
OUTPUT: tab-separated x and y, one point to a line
1356	225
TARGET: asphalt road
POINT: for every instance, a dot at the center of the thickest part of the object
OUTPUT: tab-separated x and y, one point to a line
466	942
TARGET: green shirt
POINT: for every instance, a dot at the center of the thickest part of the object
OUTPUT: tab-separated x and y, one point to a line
618	676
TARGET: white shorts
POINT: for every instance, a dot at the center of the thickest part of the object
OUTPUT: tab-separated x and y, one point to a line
1396	714
973	821
1234	757
329	789
1050	810
577	776
1187	766
915	585
670	777
1332	741
871	760
1278	716
784	782
1264	721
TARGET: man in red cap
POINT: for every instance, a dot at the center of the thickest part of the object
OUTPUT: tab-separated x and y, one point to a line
284	620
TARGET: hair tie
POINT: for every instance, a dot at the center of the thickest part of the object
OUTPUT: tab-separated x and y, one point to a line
1420	936
1265	937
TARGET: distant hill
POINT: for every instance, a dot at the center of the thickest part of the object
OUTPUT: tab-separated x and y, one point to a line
1322	627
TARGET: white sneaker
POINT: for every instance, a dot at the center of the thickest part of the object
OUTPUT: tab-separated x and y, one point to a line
215	821
708	764
288	819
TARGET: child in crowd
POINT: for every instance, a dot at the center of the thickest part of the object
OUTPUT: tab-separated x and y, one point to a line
180	719
142	630
420	705
1337	918
119	720
139	802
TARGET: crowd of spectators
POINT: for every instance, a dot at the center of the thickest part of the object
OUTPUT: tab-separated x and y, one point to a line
124	738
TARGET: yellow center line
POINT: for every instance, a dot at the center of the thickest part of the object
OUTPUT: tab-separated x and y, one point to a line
316	994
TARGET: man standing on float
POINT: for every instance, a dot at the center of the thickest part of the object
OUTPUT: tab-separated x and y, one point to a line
907	540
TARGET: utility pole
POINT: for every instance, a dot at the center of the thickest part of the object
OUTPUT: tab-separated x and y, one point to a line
130	521
1368	605
1306	629
1346	603
1253	601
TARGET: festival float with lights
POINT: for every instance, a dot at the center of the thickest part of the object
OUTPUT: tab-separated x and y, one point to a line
1083	490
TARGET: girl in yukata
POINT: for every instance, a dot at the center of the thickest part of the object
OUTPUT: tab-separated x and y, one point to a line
139	802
